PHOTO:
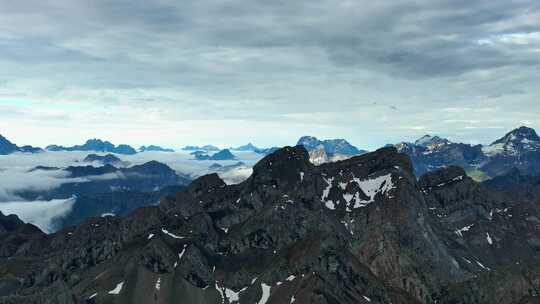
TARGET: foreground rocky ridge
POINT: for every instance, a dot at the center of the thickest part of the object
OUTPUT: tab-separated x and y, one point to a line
362	230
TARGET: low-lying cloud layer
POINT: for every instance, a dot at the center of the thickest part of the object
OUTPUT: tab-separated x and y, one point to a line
16	175
16	171
43	214
267	71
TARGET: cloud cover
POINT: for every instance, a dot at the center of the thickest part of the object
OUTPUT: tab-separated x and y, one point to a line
16	175
227	72
43	214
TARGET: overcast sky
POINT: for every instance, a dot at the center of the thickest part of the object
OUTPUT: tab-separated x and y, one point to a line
228	72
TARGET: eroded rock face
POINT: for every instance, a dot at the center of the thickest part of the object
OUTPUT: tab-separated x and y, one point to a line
362	230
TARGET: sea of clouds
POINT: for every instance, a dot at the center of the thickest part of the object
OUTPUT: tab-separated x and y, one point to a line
16	175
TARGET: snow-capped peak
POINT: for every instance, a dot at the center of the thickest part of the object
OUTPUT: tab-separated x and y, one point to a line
522	139
428	140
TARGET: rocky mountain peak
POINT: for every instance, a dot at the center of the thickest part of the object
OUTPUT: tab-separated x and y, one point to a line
153	168
283	162
515	143
9	222
309	142
247	147
207	183
428	140
7	147
322	151
522	134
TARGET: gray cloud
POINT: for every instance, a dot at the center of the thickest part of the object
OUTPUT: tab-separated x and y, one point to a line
331	68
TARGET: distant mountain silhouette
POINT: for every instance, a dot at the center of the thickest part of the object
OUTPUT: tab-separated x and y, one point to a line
203	148
224	154
96	145
7	147
322	151
108	159
153	148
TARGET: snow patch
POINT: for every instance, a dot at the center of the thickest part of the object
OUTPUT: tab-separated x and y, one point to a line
265	293
371	187
489	239
482	266
181	254
459	232
324	198
170	234
229	294
117	289
330	205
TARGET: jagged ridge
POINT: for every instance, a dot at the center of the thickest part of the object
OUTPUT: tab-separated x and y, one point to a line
362	230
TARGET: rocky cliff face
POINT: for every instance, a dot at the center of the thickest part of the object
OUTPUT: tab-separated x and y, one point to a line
362	230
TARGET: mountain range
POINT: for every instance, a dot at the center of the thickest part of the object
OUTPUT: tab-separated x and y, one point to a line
520	148
108	189
96	145
361	230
